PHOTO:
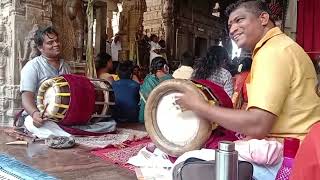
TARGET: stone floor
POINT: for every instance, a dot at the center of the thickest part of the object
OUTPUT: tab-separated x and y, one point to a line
76	163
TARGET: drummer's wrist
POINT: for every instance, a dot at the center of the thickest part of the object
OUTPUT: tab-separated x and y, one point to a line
33	112
201	108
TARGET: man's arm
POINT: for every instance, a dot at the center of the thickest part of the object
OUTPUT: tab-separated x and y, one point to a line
28	87
30	107
255	122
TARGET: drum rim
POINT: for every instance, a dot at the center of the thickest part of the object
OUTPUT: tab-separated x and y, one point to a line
205	128
43	89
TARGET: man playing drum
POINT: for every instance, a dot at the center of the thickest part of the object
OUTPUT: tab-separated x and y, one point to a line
281	86
39	69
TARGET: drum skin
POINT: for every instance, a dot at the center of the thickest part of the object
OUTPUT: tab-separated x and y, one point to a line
166	87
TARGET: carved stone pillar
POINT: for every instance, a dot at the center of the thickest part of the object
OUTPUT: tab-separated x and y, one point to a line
75	12
109	25
131	19
17	19
169	27
111	8
100	39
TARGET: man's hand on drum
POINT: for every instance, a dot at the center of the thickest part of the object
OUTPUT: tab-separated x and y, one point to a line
38	119
190	101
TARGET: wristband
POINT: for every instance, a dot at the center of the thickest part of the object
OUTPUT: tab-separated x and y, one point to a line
34	112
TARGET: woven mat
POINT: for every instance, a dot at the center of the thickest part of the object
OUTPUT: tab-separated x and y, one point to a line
122	155
11	169
120	138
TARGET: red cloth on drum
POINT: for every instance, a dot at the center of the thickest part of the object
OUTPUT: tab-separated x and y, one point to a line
82	100
219	134
218	91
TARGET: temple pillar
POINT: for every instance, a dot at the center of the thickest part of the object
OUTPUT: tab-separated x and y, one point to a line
18	20
169	28
109	25
100	38
111	8
130	26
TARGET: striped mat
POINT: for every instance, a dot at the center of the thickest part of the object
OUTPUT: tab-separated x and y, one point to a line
12	169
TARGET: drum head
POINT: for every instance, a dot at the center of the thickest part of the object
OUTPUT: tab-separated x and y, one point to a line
50	99
173	130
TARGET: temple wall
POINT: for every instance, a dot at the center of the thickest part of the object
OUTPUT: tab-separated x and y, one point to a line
180	23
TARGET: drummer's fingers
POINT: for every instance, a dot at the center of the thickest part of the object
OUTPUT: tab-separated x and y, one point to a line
178	97
178	100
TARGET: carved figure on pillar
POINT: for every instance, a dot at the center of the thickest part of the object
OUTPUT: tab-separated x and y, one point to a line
75	12
168	26
131	19
30	49
48	8
4	53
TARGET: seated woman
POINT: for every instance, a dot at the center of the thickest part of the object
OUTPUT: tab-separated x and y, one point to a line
104	67
210	68
136	75
159	72
126	93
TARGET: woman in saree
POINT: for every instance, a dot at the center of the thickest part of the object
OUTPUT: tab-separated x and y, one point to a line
159	72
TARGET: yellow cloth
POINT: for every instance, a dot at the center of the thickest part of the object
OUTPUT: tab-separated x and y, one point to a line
282	81
107	75
184	72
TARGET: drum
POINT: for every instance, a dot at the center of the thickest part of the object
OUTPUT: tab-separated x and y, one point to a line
73	100
176	131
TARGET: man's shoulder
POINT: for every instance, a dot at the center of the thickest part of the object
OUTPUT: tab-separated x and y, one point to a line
275	48
32	64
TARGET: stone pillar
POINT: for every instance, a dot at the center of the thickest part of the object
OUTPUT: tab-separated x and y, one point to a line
75	12
17	19
109	25
100	39
169	27
130	25
111	7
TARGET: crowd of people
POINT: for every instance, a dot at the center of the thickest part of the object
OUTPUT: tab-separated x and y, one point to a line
278	83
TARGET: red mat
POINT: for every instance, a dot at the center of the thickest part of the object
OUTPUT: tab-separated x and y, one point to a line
120	156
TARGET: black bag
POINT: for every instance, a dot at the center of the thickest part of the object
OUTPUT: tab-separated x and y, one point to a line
198	169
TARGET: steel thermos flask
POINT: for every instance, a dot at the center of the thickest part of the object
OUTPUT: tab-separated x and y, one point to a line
226	161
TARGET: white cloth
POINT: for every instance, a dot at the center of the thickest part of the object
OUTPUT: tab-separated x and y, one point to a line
145	158
183	72
153	46
157	166
115	48
262	152
49	128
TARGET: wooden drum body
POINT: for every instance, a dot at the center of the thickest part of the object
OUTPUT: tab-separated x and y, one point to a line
176	131
73	100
